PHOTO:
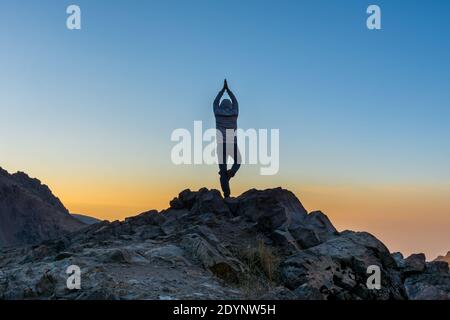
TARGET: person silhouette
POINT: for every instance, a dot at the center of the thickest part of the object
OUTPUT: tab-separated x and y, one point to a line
226	113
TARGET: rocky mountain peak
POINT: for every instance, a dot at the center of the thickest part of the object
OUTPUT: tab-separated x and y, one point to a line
38	189
29	212
262	244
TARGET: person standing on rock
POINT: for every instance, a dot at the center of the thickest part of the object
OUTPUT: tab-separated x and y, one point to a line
226	113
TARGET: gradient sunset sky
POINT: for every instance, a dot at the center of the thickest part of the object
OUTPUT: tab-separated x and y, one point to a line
363	115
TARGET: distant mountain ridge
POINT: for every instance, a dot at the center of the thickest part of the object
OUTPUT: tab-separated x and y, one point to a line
29	212
85	219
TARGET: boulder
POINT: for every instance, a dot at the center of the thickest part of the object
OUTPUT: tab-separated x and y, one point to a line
210	201
271	209
305	237
188	198
321	225
399	259
214	258
428	286
338	269
438	267
415	263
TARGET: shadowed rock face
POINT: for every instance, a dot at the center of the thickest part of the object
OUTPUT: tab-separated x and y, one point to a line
424	280
29	212
260	245
431	284
337	269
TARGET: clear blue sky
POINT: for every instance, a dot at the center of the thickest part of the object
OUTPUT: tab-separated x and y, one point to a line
353	106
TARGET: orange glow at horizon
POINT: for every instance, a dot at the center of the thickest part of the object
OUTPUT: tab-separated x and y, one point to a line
406	219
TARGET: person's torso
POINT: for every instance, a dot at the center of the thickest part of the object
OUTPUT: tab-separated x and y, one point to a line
224	123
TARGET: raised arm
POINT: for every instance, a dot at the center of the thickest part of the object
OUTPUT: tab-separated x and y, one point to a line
217	100
233	100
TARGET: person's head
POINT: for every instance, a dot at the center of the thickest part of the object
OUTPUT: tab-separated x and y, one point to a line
225	104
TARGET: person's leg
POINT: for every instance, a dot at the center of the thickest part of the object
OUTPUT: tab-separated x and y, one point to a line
224	180
236	159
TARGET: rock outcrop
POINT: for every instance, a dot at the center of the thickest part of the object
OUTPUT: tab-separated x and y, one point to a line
29	212
445	258
260	245
424	280
338	269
